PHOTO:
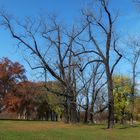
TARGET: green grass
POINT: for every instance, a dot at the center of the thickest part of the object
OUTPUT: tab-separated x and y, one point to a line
37	130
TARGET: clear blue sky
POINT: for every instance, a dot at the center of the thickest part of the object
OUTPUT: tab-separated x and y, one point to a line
129	20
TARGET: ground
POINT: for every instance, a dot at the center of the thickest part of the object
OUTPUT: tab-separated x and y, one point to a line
37	130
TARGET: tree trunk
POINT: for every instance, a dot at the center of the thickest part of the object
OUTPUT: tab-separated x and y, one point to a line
132	100
70	108
132	109
56	117
91	114
92	108
78	116
73	111
91	118
110	98
86	111
133	93
86	116
122	116
67	111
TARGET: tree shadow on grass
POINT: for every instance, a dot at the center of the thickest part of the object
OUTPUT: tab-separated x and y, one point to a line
129	126
121	127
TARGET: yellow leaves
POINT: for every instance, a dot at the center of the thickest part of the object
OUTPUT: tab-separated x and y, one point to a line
122	84
121	90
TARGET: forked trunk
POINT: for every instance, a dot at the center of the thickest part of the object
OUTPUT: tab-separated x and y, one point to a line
70	111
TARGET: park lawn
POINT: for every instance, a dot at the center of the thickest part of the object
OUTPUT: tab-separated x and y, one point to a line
42	130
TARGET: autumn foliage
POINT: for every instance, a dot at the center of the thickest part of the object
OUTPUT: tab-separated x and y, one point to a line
29	100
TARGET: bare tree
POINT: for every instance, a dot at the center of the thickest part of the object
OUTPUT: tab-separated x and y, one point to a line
85	91
102	43
97	84
50	40
133	45
51	47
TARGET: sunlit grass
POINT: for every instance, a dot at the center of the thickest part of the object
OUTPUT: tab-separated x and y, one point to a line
37	130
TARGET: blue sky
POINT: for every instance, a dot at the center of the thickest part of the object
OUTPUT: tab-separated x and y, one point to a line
68	10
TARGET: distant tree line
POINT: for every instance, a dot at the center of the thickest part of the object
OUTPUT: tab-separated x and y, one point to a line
32	101
29	100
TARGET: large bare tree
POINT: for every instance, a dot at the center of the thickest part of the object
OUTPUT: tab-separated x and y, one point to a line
57	50
101	45
50	46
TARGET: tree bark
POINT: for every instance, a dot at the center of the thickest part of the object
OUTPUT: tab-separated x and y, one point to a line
86	110
110	98
132	108
73	111
91	114
66	111
133	94
86	116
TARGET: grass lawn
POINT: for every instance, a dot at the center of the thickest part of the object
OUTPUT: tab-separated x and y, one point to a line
37	130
